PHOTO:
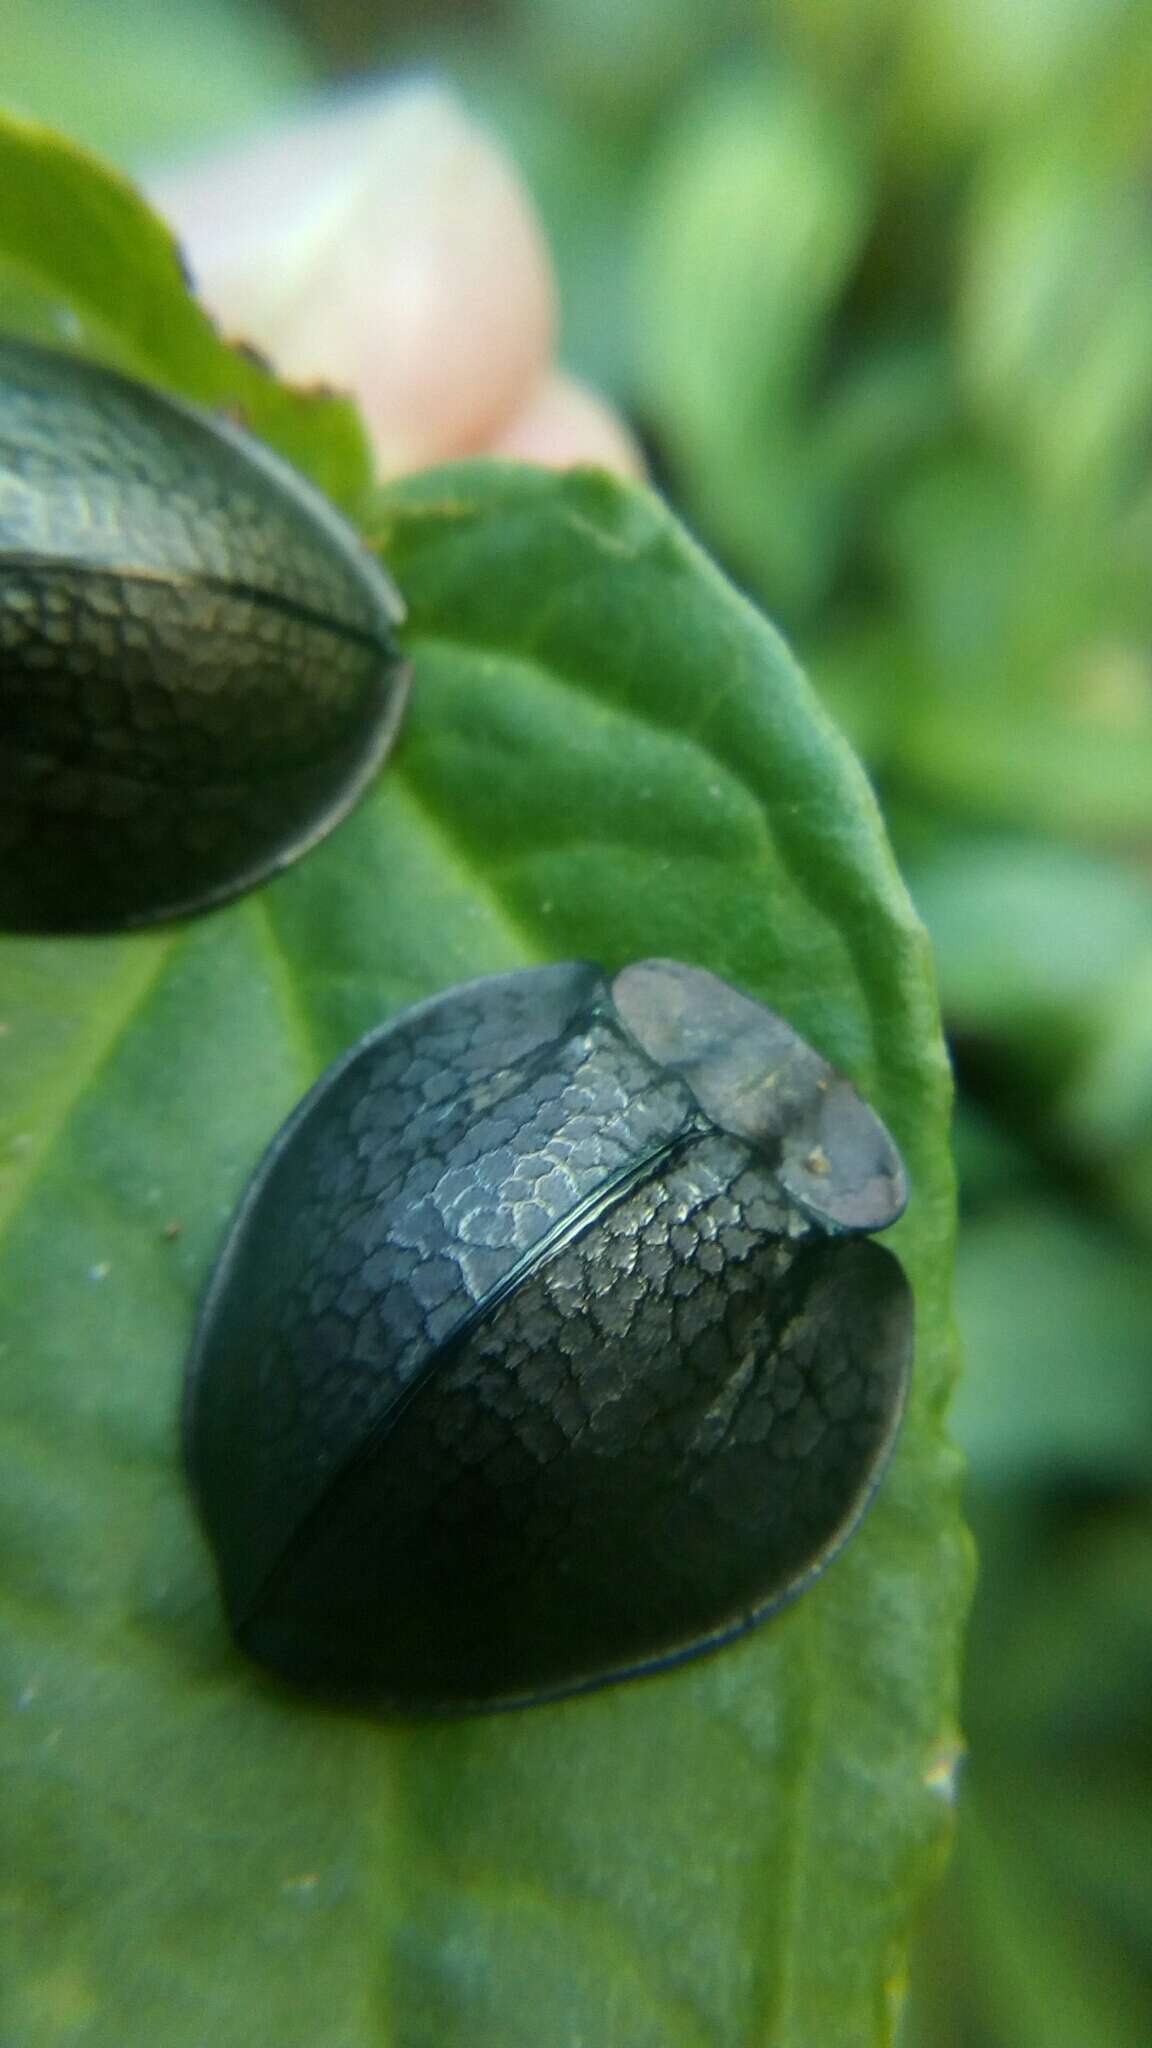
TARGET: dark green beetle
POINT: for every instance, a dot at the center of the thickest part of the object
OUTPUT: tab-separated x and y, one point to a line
198	670
548	1346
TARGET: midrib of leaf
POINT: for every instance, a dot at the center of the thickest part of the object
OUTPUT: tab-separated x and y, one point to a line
434	828
51	1116
624	1953
286	987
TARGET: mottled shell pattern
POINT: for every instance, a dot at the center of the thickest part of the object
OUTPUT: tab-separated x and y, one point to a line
198	669
548	1345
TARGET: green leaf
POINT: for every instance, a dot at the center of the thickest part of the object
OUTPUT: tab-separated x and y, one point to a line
1099	1829
1062	773
1106	1113
1055	312
942	74
757	209
1034	941
1041	1931
1060	1649
1044	954
109	79
1055	1312
989	1161
618	65
609	753
1030	628
1014	1957
84	263
864	675
1111	1104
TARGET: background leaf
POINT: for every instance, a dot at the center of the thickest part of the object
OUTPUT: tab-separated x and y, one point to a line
756	209
1055	1314
149	79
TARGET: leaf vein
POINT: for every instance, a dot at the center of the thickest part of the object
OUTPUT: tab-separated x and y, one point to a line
104	1051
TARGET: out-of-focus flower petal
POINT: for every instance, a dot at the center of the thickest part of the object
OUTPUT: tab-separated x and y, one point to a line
565	423
385	247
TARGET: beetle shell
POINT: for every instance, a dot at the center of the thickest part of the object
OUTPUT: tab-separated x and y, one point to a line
198	673
546	1347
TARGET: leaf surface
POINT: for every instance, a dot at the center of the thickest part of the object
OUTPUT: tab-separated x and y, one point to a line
609	754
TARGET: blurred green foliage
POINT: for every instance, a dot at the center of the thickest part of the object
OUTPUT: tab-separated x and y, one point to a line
129	80
874	279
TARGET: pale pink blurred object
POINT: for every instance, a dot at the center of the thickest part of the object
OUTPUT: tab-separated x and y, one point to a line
562	423
386	247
